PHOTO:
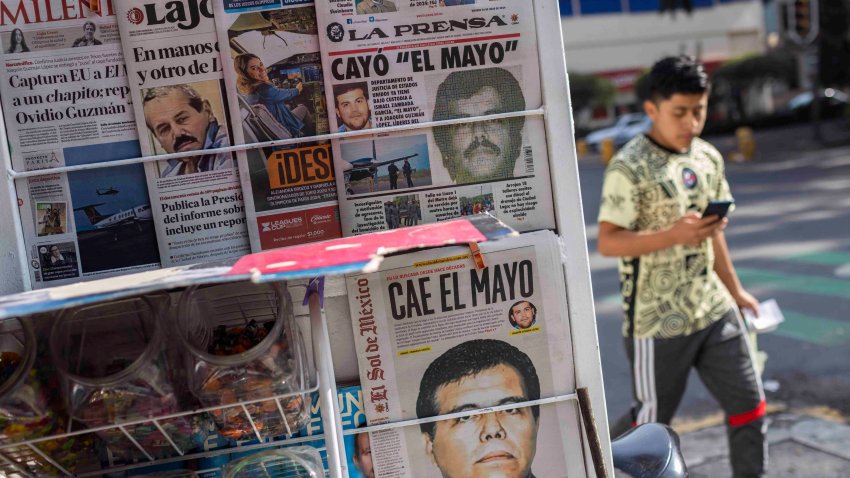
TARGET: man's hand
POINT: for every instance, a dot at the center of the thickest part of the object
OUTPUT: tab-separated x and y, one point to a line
691	229
745	300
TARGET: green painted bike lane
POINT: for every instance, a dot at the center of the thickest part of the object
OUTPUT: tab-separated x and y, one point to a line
799	325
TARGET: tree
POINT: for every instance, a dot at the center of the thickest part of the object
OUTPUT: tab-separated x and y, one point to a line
746	70
591	91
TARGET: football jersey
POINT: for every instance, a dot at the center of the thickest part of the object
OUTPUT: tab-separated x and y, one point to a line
675	291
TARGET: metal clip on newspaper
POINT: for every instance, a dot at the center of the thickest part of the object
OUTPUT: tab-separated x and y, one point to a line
477	256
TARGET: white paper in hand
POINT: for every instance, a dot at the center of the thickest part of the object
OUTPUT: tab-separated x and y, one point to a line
769	317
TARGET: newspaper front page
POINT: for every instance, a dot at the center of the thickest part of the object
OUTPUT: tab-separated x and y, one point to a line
275	88
437	335
66	101
176	82
392	63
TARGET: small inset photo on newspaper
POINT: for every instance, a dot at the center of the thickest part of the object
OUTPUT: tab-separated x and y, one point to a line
278	74
402	211
370	7
58	261
15	41
479	151
187	117
351	103
385	164
52	217
477	200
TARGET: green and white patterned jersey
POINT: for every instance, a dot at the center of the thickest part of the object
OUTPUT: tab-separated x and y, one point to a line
675	291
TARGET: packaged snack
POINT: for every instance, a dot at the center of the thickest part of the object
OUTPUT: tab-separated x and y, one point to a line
244	345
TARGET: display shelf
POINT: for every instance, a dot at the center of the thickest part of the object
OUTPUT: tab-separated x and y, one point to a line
556	116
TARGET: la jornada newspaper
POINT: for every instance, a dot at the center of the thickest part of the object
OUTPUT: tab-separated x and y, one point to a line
175	75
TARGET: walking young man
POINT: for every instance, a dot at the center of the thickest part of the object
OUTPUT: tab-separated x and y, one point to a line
678	283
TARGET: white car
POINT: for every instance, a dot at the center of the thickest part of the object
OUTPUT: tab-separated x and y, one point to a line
625	128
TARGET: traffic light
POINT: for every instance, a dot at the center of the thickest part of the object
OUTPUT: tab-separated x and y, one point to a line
802	20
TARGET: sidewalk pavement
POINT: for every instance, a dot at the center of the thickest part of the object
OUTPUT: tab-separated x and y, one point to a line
801	445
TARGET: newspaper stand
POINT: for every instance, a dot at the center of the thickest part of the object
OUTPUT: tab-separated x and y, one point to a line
556	112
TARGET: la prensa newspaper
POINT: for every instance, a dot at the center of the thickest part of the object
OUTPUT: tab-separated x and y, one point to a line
66	101
436	335
176	82
398	63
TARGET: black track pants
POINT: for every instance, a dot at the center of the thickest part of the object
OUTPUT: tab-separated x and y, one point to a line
724	362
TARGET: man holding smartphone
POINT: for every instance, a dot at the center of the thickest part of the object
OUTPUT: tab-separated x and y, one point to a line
678	283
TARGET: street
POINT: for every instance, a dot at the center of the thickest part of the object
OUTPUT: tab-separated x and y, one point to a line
790	240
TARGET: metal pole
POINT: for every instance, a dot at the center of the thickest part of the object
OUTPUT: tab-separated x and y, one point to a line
327	390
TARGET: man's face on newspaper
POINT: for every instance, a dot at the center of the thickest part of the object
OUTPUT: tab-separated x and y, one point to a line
352	109
500	444
177	125
523	314
480	149
363	459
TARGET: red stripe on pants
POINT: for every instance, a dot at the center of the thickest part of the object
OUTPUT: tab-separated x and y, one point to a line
747	417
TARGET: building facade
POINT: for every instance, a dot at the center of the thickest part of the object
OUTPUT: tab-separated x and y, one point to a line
619	39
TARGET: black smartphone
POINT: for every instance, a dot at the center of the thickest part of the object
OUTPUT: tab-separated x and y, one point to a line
717	208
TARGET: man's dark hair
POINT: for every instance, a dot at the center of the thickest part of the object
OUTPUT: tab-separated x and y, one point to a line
511	312
465	83
346	87
681	74
469	359
192	95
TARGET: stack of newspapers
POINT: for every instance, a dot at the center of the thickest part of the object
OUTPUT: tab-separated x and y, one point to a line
439	334
160	133
86	84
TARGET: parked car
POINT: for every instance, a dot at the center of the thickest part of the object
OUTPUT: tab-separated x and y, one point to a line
833	104
624	129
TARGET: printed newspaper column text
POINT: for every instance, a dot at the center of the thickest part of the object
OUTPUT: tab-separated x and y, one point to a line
443	204
518	200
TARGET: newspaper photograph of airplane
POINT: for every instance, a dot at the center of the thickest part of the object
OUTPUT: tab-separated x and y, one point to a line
404	164
133	217
114	224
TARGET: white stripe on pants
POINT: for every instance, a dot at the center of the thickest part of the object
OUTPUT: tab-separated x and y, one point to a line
644	372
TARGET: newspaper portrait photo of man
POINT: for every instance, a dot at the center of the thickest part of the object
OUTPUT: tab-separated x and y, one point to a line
363	456
480	150
352	106
366	7
478	374
181	119
88	39
522	315
58	261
